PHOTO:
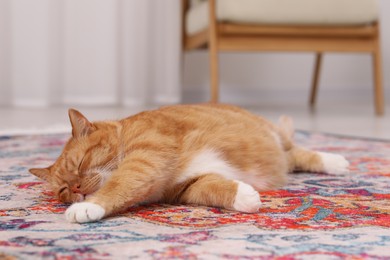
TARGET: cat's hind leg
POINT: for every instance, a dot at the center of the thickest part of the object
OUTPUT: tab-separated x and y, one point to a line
217	191
302	159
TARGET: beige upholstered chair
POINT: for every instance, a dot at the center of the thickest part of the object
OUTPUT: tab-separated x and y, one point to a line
285	25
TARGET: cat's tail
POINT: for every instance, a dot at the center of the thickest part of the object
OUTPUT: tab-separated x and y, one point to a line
286	131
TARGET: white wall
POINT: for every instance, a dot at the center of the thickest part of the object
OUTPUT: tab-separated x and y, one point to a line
266	77
4	52
89	52
102	51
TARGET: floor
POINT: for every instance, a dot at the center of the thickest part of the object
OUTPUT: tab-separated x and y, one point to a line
353	119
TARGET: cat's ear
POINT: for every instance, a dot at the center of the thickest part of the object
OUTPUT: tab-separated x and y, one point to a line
41	173
80	124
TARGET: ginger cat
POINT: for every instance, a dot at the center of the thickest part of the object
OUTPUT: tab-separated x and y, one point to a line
213	155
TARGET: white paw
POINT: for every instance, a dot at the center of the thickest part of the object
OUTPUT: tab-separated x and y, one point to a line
247	199
334	163
84	212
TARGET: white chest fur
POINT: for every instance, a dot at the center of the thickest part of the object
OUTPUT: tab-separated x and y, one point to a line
209	161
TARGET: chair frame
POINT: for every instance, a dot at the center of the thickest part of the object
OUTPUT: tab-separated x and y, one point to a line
223	36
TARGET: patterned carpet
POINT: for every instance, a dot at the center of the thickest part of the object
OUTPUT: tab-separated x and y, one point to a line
316	216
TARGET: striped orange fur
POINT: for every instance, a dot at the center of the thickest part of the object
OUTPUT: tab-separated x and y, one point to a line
198	154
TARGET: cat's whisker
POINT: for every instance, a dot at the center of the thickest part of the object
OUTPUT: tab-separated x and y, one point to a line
109	166
113	162
92	184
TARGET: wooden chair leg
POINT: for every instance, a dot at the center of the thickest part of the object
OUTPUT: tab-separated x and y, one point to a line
213	53
316	79
214	75
378	83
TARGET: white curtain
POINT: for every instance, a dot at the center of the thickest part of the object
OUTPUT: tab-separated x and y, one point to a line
89	52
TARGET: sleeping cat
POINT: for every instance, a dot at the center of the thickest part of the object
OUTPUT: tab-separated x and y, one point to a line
211	154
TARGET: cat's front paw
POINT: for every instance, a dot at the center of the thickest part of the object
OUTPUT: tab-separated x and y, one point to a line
334	163
247	198
84	212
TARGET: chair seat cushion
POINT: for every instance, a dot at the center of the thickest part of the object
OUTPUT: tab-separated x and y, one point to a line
284	12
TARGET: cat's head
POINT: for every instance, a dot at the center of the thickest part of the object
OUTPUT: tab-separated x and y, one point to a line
88	158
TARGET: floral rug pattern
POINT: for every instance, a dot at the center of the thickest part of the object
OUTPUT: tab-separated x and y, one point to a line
316	216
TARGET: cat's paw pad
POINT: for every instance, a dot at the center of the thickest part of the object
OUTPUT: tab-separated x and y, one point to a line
247	198
334	163
84	212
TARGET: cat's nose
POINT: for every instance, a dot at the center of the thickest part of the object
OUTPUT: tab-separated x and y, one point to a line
76	188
